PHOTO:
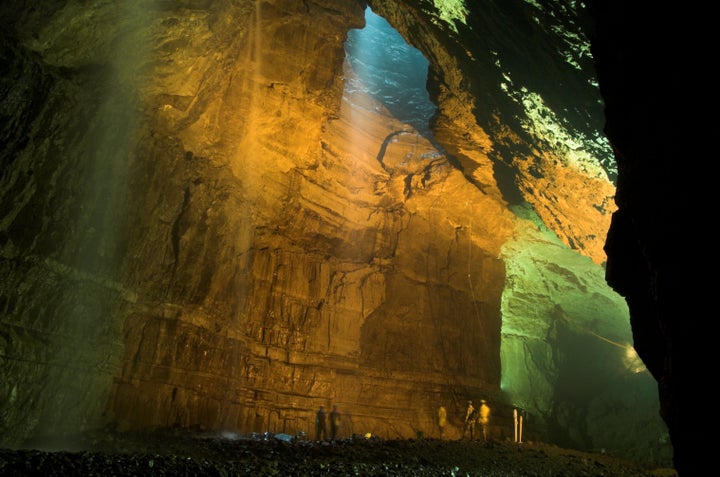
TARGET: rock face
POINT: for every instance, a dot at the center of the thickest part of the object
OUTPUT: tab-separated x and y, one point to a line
204	226
649	240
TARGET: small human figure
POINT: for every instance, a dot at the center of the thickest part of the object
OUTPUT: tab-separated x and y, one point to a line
484	419
335	422
320	424
469	421
442	420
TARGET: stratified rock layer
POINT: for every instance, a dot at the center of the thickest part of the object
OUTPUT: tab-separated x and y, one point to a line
202	227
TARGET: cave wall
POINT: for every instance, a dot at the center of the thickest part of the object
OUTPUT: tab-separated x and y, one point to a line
229	275
202	228
564	198
647	86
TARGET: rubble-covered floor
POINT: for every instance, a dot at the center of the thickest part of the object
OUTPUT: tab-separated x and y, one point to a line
184	454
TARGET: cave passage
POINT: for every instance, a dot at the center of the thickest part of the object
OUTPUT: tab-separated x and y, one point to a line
391	71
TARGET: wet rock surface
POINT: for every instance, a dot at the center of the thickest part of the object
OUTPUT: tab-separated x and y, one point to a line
173	454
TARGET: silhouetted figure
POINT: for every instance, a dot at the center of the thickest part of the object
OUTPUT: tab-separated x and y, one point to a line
442	420
320	424
335	422
469	421
484	419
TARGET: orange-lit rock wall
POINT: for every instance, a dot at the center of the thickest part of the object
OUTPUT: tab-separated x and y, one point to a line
300	268
201	227
257	259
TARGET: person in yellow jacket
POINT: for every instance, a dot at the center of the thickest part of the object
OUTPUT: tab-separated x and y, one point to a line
442	420
484	419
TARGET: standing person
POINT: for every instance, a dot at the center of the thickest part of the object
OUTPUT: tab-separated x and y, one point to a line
484	419
442	420
469	422
320	424
335	422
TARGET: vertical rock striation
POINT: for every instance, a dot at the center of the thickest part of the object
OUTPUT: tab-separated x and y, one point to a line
203	226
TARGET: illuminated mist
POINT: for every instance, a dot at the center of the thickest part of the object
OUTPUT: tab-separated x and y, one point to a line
391	71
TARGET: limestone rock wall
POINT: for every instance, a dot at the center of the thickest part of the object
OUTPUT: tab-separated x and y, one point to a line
246	257
202	227
499	72
494	73
648	241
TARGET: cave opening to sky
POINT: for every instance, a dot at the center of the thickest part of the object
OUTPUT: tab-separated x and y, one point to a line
391	71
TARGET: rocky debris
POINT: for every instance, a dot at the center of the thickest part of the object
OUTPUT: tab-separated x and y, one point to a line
181	454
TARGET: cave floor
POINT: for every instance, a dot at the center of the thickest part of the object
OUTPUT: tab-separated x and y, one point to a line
184	453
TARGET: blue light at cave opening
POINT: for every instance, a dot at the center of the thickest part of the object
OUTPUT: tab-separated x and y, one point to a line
391	71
